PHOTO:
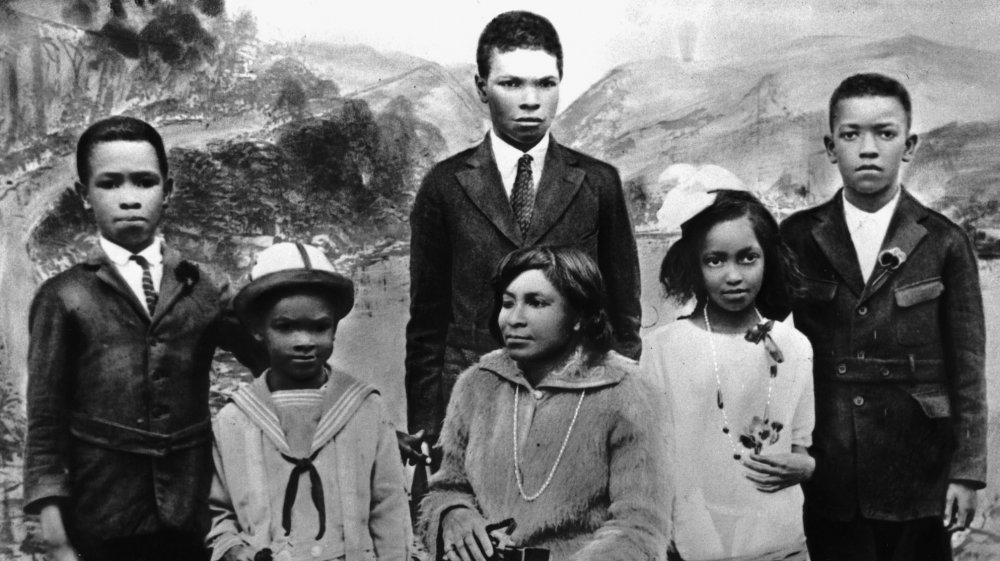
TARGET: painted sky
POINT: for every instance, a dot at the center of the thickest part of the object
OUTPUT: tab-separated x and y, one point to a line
600	35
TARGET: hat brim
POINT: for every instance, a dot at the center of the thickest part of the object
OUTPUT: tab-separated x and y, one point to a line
339	288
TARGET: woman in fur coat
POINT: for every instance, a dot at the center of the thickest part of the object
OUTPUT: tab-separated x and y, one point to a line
554	430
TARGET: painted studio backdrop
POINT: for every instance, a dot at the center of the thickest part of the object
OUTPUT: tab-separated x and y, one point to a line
314	121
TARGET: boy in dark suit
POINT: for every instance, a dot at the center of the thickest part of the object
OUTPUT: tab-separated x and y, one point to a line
893	309
518	188
118	461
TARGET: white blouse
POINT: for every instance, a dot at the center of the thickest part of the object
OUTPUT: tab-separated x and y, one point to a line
717	512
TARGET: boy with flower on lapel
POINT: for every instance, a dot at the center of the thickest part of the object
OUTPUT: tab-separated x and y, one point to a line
893	309
118	459
518	188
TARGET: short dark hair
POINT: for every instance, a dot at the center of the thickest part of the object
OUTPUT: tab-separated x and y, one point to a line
117	128
575	275
517	30
680	271
870	85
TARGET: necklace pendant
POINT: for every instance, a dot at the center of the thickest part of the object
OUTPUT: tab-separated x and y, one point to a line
725	430
718	397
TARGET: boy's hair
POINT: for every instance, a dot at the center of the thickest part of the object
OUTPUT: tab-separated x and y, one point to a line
575	275
117	128
680	271
870	85
517	30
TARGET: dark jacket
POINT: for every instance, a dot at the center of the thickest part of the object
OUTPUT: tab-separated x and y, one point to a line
462	225
899	378
118	417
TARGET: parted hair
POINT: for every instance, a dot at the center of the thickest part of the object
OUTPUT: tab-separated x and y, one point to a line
680	271
870	85
517	30
577	278
117	128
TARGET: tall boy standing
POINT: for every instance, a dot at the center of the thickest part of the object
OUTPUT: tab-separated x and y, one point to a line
518	188
118	461
893	309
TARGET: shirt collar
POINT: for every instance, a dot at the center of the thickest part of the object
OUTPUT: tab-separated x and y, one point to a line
854	215
507	156
121	256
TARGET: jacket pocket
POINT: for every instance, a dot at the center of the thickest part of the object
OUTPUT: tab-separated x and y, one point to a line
920	292
916	313
935	403
819	290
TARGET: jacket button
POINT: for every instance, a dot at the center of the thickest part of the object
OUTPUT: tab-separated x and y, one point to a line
538	394
859	401
884	372
841	368
860	354
140	422
863	311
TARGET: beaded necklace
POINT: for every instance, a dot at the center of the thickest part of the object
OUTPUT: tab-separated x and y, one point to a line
774	356
517	466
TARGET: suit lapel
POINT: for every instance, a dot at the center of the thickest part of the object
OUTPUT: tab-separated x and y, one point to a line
108	273
834	240
170	288
482	183
905	233
556	190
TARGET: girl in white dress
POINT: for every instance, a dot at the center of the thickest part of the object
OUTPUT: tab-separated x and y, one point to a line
737	387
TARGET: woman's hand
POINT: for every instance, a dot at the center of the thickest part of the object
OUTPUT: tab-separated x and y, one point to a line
239	553
464	537
774	472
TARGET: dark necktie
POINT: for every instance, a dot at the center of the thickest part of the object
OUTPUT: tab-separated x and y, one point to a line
522	197
147	283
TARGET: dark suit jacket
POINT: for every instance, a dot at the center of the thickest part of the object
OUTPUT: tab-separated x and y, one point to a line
118	417
899	379
462	225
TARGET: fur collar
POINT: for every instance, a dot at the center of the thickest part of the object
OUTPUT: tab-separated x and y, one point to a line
575	374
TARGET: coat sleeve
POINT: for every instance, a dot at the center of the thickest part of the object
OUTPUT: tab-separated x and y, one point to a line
389	512
430	308
618	260
964	332
637	524
53	338
449	487
225	532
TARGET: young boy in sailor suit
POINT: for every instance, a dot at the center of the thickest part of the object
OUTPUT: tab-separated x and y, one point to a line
306	462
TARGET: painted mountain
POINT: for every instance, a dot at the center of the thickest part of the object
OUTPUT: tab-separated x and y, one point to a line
764	117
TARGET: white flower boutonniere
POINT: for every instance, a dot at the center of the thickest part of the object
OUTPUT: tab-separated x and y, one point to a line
892	258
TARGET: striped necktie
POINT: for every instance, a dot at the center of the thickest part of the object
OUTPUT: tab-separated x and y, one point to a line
522	197
147	283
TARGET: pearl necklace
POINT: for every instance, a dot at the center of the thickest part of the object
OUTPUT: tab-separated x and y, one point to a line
718	385
517	467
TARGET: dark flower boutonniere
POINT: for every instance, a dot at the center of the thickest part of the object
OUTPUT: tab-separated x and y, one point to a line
892	258
187	273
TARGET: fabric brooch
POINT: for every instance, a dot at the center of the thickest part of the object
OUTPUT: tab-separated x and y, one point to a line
187	273
762	332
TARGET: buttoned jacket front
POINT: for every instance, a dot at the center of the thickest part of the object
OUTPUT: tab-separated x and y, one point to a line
462	226
118	416
899	363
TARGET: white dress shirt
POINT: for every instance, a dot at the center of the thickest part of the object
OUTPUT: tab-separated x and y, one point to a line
868	231
507	156
131	271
